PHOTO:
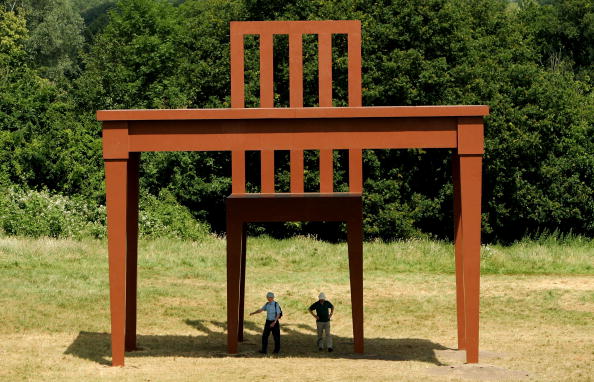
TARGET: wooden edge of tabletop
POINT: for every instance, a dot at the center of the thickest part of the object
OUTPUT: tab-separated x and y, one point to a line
293	113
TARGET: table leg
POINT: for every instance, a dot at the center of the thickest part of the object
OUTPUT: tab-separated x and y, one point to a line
116	183
132	250
470	192
458	251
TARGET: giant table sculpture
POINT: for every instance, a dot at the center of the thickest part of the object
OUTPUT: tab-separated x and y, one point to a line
127	133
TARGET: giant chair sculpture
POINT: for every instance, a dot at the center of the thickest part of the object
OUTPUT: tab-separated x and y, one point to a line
127	133
295	205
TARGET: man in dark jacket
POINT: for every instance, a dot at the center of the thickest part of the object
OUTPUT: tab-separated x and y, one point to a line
323	317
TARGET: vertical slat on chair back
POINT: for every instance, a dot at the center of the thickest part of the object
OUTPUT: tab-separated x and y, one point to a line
237	100
296	100
266	70
296	29
355	100
325	100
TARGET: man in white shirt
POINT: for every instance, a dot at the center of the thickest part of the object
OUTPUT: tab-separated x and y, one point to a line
273	313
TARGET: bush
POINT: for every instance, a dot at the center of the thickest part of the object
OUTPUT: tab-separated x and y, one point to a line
163	216
39	213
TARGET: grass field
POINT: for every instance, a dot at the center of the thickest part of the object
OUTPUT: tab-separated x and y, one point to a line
537	312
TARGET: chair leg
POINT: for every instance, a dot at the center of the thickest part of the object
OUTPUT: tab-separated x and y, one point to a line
115	186
242	281
233	280
355	245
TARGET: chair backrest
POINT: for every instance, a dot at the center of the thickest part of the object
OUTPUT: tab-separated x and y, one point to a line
296	29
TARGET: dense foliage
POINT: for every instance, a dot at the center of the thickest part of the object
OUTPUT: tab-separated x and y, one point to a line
531	62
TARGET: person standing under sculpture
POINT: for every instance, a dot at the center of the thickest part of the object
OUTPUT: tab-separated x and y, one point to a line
323	317
273	313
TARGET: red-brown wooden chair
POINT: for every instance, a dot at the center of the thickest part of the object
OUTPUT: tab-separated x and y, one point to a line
296	205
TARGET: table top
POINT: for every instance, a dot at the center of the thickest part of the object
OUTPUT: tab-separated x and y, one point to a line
294	113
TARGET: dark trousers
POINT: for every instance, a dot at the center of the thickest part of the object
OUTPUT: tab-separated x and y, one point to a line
275	333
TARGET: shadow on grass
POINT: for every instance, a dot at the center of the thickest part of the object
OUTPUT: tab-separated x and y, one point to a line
297	341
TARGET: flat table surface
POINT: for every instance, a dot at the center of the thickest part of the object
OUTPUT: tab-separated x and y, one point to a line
294	113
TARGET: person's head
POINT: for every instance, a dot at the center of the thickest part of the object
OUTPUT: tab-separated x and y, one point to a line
322	297
270	296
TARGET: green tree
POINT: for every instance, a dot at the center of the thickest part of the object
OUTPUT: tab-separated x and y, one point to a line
154	55
562	31
13	33
43	141
133	62
55	36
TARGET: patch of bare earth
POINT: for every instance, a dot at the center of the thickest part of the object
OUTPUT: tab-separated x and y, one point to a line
477	372
494	285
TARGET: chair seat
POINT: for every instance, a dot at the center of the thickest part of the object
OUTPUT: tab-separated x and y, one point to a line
312	206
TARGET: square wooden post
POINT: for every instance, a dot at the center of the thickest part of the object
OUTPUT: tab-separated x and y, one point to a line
115	179
460	313
242	281
234	243
468	245
115	154
131	249
470	191
355	249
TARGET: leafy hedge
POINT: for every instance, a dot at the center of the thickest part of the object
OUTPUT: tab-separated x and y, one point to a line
41	213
